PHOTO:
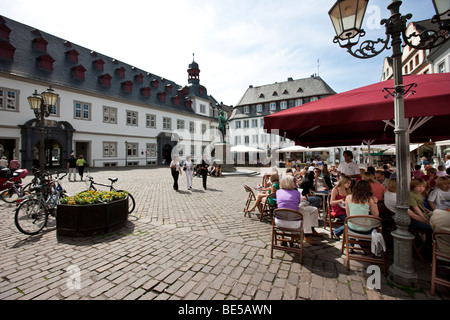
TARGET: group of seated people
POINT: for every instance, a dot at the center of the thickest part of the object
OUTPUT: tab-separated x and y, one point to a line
428	200
373	192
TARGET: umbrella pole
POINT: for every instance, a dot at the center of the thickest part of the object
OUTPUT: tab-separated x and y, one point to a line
401	271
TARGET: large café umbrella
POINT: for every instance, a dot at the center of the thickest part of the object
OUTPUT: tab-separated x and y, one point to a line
365	114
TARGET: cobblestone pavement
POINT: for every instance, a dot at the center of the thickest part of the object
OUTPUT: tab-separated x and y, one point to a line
189	245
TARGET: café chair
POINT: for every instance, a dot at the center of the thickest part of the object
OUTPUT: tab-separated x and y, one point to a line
268	209
287	232
440	261
329	220
251	197
364	241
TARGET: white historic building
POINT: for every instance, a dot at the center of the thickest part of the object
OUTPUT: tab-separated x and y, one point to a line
112	113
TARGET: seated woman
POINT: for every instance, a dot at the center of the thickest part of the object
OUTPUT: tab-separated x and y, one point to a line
320	183
420	216
337	200
307	185
261	197
360	202
289	198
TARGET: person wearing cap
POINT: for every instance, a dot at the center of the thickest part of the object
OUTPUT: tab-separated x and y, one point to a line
72	167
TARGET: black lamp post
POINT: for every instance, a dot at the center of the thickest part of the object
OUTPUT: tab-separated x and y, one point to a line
42	104
347	17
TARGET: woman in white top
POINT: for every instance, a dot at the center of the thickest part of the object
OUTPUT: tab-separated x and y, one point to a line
189	169
176	171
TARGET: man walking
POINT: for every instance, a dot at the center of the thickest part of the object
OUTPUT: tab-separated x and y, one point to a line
72	167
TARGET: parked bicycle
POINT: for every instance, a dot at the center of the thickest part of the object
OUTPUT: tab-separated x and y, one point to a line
13	187
32	214
92	184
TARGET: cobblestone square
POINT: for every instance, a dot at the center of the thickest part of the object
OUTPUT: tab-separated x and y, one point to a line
188	245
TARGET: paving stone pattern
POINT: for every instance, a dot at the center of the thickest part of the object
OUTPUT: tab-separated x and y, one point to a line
185	245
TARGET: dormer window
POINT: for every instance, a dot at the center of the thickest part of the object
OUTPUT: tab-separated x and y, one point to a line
40	44
7	50
67	44
286	92
105	80
99	64
146	91
300	90
139	78
121	72
72	55
275	94
155	83
46	62
176	100
127	86
4	32
78	72
162	96
169	88
261	96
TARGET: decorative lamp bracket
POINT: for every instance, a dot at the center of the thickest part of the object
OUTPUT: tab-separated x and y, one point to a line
404	91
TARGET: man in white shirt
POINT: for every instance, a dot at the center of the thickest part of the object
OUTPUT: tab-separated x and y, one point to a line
348	167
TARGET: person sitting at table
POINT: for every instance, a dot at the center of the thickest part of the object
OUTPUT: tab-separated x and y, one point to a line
430	178
381	178
291	173
321	184
360	202
289	198
439	198
261	197
337	199
308	189
378	189
418	173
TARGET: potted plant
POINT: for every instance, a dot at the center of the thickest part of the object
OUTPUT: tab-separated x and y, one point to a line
92	212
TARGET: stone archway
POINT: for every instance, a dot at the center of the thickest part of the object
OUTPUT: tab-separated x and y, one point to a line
60	133
166	144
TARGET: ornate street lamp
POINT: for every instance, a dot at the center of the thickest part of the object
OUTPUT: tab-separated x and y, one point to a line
347	17
42	105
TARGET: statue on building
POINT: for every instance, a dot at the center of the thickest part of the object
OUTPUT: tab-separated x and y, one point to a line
222	125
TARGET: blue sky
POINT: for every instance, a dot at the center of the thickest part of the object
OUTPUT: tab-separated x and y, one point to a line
237	43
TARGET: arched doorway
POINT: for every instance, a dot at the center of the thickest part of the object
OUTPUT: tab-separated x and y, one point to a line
58	142
166	143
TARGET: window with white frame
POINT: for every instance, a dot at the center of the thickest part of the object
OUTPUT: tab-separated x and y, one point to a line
151	150
298	102
132	118
237	125
150	121
82	110
273	106
9	99
237	140
203	128
441	67
283	105
167	123
109	114
109	149
254	123
246	124
255	139
259	108
314	98
192	150
191	126
132	149
247	110
246	140
202	108
180	124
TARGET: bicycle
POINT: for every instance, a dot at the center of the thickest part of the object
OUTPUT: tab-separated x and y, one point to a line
92	184
32	214
15	190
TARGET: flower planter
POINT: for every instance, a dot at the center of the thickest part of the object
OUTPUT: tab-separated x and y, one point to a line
87	220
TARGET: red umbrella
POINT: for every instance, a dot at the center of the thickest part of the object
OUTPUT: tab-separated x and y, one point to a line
366	114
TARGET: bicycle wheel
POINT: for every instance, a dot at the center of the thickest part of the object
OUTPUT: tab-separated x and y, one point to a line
30	217
131	202
9	195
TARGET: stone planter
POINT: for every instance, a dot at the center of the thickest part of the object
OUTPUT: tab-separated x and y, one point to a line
87	220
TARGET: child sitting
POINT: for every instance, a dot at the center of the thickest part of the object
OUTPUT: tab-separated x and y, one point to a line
418	173
439	198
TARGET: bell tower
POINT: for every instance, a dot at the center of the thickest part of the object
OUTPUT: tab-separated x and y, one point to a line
193	72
